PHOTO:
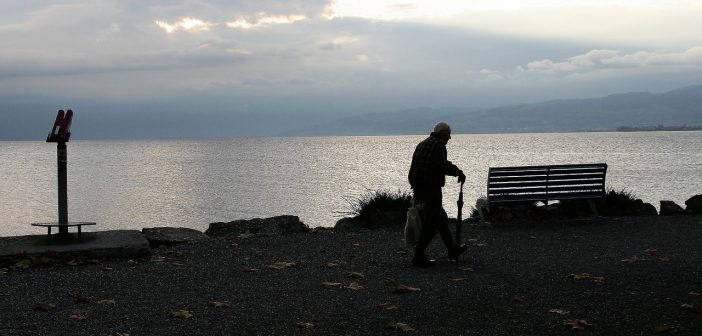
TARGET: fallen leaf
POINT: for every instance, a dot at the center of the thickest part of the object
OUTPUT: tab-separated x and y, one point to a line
106	302
695	308
44	307
399	327
304	325
634	259
250	270
559	311
247	235
354	286
334	263
282	265
387	306
357	275
663	328
577	324
402	289
132	263
23	264
181	313
78	317
217	304
389	281
582	276
332	284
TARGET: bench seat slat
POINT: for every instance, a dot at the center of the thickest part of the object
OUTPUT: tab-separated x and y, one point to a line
542	197
518	184
545	167
546	172
547	190
545	178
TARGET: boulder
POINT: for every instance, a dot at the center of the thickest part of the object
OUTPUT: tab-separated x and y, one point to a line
645	209
670	208
266	226
170	236
349	224
694	205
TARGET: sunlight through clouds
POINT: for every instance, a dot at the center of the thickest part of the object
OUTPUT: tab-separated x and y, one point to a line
186	23
262	19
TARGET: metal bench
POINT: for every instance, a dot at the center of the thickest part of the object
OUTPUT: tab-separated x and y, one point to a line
63	226
546	183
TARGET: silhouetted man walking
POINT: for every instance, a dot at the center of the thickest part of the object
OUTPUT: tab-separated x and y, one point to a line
427	176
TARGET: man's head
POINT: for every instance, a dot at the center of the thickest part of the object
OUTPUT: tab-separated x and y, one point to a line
443	130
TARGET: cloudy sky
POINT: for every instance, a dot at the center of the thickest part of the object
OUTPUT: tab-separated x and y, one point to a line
256	67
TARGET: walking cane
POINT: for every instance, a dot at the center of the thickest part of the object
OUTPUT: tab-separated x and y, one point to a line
459	216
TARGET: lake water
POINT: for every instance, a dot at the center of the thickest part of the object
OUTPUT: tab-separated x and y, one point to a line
191	183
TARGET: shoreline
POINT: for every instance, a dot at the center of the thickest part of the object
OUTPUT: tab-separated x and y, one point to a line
642	270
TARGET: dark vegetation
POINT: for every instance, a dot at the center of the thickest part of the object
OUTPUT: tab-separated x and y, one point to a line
614	203
378	201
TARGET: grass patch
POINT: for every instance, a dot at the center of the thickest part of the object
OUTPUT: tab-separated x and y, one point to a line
378	201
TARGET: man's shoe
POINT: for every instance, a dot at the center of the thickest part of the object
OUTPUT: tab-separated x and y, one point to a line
423	262
453	255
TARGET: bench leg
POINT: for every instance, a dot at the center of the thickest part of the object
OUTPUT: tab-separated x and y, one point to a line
593	208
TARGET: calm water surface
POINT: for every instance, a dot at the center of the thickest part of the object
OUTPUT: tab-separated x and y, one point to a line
191	183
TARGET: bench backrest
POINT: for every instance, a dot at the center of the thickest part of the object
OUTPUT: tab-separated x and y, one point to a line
543	183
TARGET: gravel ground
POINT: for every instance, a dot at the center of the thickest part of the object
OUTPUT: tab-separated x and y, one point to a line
519	279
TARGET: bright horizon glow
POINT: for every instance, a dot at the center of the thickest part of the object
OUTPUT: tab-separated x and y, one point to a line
411	9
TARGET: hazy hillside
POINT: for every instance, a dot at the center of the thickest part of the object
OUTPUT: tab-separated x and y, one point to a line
674	108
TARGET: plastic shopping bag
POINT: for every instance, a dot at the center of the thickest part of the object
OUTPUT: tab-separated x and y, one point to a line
413	225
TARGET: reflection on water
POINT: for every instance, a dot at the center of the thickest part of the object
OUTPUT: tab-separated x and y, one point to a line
190	183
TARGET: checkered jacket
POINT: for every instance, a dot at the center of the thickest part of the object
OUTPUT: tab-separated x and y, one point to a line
430	165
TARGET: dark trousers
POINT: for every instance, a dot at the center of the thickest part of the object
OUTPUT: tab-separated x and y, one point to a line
434	219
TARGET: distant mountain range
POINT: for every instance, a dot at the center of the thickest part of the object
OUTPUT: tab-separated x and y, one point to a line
681	107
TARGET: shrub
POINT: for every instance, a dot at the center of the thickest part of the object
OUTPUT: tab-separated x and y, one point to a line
379	201
618	203
614	203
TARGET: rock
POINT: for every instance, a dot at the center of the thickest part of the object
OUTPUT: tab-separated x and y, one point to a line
265	226
670	208
694	204
352	224
170	236
645	209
